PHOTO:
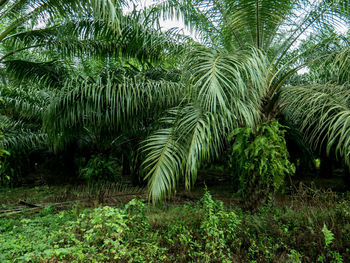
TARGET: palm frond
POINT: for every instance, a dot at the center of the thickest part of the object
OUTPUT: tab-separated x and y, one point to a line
202	134
25	103
230	83
111	102
21	137
50	73
191	136
197	16
163	161
322	113
257	22
87	36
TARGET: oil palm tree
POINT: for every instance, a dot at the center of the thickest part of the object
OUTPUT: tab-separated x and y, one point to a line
238	77
83	78
60	44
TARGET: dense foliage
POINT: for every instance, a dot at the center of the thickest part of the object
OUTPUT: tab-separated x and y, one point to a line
100	169
206	231
101	78
260	159
97	93
3	180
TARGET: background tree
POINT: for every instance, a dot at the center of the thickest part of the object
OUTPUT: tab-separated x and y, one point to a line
74	89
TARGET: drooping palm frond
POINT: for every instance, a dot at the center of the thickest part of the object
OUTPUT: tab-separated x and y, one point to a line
196	15
190	137
18	13
112	102
48	9
92	37
108	10
50	73
163	161
341	8
241	24
231	83
202	133
22	110
341	64
21	31
21	137
25	103
322	113
328	60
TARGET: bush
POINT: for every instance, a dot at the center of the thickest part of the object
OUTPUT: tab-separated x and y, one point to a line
4	178
101	169
205	231
260	160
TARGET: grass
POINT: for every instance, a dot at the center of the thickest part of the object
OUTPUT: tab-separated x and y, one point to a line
310	225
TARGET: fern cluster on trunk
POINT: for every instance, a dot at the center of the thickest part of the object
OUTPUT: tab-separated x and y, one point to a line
260	159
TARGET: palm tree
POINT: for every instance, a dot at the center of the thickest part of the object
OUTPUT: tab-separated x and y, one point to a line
83	78
236	78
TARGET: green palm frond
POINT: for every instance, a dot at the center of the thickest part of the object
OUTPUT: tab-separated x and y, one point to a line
24	11
202	134
341	64
322	113
191	136
23	16
50	73
87	36
241	24
109	11
111	102
192	12
163	161
257	22
233	84
25	103
340	8
21	137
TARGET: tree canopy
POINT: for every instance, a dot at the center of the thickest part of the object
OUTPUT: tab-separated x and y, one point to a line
88	75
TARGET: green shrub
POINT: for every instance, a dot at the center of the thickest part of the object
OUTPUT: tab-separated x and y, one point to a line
260	160
4	178
219	228
100	169
205	231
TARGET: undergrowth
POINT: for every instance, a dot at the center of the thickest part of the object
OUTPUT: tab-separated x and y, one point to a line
204	231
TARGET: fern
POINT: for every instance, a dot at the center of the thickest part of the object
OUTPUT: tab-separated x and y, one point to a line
328	235
260	158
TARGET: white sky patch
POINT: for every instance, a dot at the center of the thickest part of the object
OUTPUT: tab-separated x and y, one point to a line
303	71
342	29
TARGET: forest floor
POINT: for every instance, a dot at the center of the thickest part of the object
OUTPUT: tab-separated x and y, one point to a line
34	198
310	222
